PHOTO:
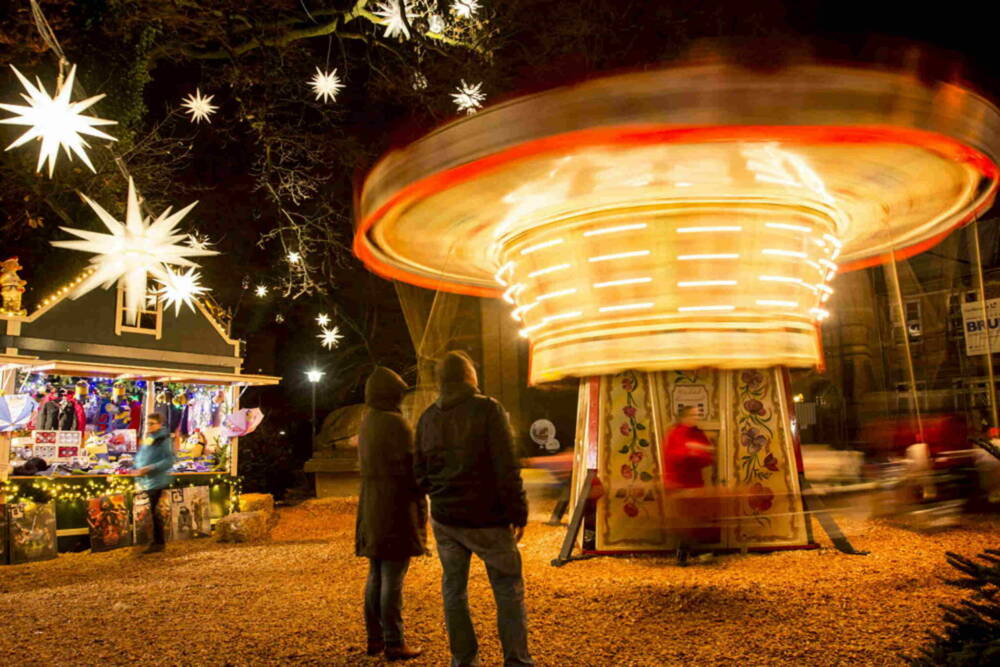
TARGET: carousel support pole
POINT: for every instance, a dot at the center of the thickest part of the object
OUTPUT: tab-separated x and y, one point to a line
565	554
989	345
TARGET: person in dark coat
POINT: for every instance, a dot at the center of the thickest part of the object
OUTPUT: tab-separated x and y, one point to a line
392	513
465	462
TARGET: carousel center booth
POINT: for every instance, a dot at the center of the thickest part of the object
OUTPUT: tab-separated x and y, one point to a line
78	379
669	238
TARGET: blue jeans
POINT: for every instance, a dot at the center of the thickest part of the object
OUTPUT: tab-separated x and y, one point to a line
384	600
496	548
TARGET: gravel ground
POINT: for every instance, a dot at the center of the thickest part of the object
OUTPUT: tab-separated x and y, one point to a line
297	599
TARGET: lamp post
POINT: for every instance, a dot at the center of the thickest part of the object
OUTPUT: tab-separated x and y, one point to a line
314	377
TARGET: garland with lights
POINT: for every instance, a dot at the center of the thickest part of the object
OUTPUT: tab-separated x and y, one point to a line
70	490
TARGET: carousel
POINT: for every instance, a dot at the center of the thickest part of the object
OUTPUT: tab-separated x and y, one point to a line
669	238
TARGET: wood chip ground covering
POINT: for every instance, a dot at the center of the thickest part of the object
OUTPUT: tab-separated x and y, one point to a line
297	600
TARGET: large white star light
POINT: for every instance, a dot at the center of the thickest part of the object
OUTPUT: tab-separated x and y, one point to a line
55	121
178	289
330	338
469	97
465	8
133	251
199	106
391	14
326	85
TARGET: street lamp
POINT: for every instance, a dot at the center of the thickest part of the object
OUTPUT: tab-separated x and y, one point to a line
314	377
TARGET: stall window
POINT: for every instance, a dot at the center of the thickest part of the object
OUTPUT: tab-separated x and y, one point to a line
150	319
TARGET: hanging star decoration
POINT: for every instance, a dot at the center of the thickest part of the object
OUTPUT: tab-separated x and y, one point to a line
179	289
391	14
465	8
322	319
330	338
435	24
419	81
294	258
198	242
199	106
134	251
261	291
326	85
55	121
279	318
469	97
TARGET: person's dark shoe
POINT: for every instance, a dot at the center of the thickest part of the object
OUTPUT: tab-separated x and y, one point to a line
375	646
153	549
401	652
682	557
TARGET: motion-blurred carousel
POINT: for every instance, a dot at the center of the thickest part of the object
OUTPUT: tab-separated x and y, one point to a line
669	238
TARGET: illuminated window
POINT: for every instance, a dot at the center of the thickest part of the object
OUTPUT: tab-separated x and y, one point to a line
150	319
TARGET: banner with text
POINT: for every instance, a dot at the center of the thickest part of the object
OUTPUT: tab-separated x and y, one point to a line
975	331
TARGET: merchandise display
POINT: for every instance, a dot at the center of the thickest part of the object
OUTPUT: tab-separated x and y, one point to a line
91	426
108	518
32	532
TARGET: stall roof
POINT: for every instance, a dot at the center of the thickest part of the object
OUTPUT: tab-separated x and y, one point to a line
120	372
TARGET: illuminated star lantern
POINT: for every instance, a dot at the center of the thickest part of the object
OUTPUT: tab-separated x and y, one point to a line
199	106
435	24
469	97
294	258
322	319
465	8
198	242
179	289
326	85
55	121
133	251
391	15
330	338
261	291
279	318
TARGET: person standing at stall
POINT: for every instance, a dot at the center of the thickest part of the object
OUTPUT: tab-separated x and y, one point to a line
152	465
465	462
392	513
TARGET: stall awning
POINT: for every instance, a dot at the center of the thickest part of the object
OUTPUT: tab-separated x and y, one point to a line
121	372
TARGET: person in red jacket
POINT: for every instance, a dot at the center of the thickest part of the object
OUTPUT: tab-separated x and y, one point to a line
685	452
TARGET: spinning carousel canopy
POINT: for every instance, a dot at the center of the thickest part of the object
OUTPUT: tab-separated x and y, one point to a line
684	217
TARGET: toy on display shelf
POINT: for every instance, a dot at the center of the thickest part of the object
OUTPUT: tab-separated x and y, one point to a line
11	287
108	519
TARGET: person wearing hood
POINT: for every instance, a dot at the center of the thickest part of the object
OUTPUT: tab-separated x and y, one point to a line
465	463
392	513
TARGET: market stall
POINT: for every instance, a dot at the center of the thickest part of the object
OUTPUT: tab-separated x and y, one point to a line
76	382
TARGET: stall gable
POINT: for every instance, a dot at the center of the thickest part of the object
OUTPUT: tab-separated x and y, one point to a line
88	329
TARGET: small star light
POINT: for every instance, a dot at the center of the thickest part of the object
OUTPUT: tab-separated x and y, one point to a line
391	14
465	8
198	242
261	291
435	24
279	318
326	85
133	251
294	258
469	98
322	319
180	289
330	338
199	107
55	121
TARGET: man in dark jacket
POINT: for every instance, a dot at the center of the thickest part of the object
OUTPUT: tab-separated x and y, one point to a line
392	513
465	462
